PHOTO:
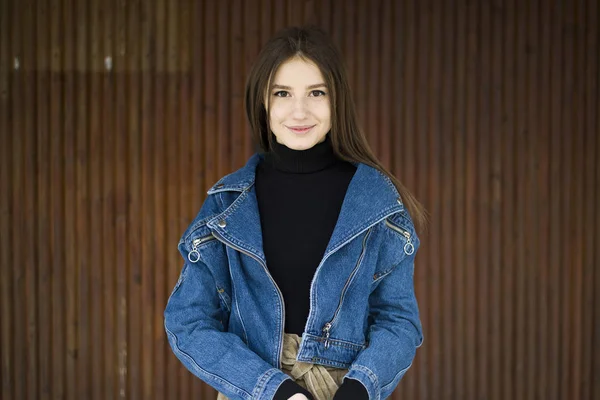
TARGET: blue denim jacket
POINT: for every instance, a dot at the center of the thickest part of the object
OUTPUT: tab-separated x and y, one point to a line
225	316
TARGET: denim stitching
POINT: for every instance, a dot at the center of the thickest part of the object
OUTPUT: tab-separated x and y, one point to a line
217	378
261	385
330	362
338	342
371	375
400	373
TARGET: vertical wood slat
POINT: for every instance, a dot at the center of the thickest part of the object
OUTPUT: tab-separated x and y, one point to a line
591	335
121	195
470	204
567	160
69	235
56	197
147	260
7	78
555	236
431	151
495	43
576	249
521	189
484	206
29	259
158	247
132	171
97	257
237	71
509	268
458	197
16	152
446	202
19	368
543	227
108	210
81	210
44	300
487	111
532	198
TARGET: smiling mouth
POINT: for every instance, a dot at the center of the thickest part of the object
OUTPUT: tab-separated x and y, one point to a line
300	129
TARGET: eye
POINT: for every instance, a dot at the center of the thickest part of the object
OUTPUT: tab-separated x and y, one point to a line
281	93
317	93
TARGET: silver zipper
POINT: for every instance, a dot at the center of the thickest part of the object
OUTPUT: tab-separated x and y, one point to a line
312	282
226	242
409	248
328	325
325	330
194	255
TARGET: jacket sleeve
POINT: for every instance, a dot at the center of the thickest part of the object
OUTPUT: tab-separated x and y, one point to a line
219	358
394	334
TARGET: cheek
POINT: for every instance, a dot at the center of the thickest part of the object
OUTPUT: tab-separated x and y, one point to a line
322	111
278	112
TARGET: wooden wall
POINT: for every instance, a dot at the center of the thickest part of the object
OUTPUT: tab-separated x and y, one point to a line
116	116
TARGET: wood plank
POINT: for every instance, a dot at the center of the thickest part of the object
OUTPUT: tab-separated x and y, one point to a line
44	299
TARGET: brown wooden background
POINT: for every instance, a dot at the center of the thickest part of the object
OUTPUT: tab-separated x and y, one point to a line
116	116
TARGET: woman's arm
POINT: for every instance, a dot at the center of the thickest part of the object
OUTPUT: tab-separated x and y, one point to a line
394	334
221	359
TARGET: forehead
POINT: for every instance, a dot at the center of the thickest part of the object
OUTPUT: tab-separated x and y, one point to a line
298	72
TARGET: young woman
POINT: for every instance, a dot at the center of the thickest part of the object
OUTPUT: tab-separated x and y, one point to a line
298	270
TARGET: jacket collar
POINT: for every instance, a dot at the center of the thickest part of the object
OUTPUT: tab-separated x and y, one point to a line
371	196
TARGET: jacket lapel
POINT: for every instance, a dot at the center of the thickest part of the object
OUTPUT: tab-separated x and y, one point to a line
370	197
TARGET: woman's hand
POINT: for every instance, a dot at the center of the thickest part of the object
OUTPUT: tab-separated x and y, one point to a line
298	396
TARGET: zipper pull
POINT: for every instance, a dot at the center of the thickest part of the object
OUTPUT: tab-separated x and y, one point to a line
326	329
194	255
409	248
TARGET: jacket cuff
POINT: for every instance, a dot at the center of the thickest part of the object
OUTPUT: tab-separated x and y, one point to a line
351	389
289	388
368	379
269	383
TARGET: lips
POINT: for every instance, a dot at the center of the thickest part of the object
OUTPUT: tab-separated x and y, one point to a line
300	129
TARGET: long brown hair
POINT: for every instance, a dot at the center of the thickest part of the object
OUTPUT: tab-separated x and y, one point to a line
348	141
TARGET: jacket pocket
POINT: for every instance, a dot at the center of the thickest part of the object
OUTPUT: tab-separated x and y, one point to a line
224	299
225	302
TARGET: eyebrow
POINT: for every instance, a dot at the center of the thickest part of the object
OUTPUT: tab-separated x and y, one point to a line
317	85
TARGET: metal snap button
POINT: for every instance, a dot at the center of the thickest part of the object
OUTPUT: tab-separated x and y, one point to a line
222	223
399	200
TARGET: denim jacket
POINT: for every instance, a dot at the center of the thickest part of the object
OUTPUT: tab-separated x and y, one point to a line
225	316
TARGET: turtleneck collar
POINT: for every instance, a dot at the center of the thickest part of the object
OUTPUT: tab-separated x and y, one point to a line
317	158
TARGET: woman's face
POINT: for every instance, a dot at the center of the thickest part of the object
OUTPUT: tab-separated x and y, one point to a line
298	105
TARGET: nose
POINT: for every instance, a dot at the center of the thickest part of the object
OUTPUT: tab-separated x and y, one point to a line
299	110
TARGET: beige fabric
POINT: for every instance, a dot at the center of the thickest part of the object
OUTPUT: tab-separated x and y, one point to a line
321	381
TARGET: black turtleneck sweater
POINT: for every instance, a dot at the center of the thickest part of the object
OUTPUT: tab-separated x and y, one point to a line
300	195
